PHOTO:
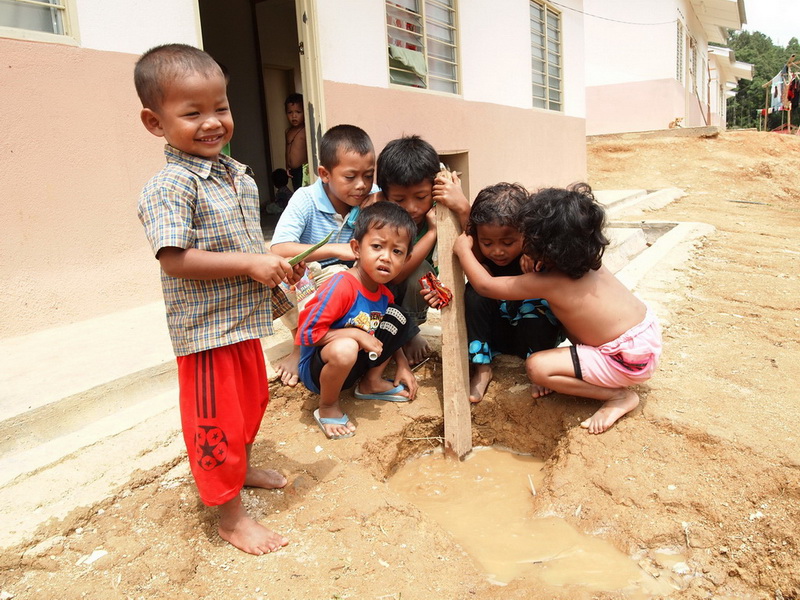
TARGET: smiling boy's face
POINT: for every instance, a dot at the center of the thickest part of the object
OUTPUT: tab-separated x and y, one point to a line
380	255
415	199
194	116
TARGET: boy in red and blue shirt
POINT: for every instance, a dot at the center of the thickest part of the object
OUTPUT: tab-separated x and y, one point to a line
351	328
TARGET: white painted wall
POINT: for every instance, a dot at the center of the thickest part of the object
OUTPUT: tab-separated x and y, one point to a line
135	27
494	52
574	57
352	39
630	41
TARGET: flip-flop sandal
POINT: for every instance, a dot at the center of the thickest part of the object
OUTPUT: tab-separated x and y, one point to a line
322	421
387	396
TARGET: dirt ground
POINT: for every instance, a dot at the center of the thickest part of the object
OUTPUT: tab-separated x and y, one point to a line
707	466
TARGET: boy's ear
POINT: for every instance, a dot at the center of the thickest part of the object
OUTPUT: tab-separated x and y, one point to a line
324	174
151	122
353	245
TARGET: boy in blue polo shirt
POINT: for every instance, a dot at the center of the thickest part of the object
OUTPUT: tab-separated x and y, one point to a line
329	205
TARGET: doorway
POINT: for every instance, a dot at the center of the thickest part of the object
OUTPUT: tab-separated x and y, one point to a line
260	42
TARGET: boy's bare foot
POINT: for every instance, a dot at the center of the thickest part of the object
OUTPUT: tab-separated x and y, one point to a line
269	479
481	376
417	349
240	530
611	411
537	391
288	368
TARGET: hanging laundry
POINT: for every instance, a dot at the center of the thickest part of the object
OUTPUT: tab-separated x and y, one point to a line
776	92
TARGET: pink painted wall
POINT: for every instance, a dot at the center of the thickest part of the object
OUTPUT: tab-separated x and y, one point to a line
638	106
533	147
74	157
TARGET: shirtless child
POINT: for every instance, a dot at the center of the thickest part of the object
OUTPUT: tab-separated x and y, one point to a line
617	340
296	146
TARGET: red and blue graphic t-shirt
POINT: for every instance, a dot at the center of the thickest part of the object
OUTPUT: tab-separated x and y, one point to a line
341	302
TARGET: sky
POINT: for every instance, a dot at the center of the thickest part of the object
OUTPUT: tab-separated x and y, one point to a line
778	19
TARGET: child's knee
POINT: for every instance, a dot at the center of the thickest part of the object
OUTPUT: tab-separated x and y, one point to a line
534	367
341	352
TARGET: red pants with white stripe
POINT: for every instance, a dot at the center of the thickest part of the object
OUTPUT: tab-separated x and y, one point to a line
223	395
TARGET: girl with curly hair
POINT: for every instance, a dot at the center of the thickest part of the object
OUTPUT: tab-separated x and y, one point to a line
616	338
495	326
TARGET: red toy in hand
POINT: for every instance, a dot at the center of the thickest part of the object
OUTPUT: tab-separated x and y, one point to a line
429	281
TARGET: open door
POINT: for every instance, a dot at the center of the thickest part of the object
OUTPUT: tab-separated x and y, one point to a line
308	47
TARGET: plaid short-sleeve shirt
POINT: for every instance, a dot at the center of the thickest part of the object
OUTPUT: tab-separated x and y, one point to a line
195	202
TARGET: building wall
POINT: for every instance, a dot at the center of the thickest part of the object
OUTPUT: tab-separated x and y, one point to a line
631	66
75	157
492	120
534	147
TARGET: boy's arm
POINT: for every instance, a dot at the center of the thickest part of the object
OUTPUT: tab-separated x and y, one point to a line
519	287
290	227
421	250
365	341
404	374
449	193
192	263
342	252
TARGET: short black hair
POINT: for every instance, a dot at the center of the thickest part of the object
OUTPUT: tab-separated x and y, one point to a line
382	214
563	228
406	161
497	204
293	99
280	177
161	65
347	138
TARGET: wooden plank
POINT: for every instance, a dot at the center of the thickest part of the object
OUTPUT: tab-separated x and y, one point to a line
455	365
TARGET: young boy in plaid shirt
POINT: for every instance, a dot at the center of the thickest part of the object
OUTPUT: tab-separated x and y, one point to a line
201	217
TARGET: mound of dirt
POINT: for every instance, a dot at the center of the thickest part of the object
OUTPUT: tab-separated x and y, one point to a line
707	466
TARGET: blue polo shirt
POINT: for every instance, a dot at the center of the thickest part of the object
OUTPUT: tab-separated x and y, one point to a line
310	216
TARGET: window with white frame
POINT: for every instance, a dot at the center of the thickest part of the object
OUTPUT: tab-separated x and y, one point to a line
546	65
679	58
423	44
38	19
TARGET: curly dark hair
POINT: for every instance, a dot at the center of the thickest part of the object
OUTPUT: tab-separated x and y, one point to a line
563	228
497	204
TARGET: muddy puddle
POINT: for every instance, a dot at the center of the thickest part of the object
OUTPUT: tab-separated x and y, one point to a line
487	503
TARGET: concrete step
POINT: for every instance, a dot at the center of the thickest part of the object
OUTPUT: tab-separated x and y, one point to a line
633	202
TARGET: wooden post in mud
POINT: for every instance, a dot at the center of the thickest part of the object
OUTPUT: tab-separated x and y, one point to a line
455	367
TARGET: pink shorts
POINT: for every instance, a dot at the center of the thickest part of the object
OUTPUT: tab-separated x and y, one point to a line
630	359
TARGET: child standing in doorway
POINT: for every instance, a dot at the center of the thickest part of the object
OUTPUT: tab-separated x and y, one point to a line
518	327
201	217
296	146
616	337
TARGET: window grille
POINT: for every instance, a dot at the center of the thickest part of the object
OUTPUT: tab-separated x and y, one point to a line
546	64
422	40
